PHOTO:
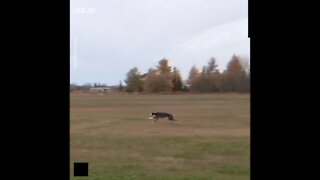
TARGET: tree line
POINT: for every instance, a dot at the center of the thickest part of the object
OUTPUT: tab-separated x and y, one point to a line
165	78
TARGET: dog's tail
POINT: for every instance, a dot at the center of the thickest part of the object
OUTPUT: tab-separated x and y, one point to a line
172	119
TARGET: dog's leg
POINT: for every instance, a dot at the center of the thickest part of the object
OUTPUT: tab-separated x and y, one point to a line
155	120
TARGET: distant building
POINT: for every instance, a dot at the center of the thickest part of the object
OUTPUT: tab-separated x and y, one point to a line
99	89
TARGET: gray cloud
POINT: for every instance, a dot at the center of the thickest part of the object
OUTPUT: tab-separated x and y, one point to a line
120	34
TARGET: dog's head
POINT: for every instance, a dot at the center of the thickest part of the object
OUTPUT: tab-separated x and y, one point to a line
152	115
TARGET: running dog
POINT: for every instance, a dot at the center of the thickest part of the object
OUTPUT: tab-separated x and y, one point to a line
156	115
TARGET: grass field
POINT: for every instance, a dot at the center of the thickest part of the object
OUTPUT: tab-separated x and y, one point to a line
210	141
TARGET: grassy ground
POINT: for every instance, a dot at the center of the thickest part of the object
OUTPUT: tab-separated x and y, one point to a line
209	141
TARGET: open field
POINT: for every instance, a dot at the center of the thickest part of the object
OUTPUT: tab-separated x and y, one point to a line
210	141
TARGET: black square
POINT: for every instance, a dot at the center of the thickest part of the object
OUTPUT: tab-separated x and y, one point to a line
80	169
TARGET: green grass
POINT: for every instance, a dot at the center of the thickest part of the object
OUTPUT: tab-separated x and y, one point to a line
209	141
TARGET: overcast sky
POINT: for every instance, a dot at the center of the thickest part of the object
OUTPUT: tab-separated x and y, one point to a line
109	37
